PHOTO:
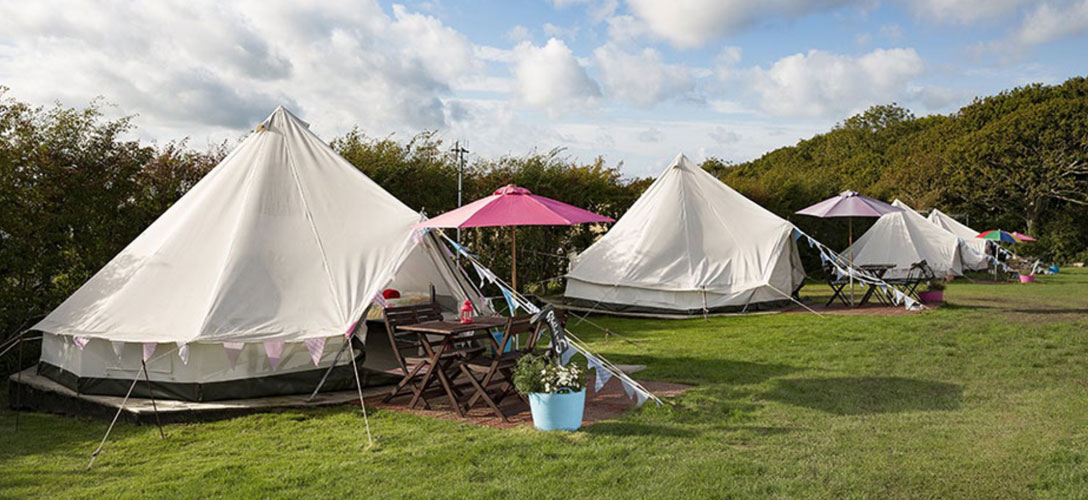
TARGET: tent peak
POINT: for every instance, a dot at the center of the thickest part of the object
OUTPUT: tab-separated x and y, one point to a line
681	161
281	114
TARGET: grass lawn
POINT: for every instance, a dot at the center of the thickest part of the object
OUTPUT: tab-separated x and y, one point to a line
984	398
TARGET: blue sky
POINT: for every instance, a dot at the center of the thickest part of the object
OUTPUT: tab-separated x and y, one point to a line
635	81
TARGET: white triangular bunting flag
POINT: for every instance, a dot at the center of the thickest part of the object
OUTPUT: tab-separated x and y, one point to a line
274	349
627	387
567	354
640	398
316	348
233	350
81	342
603	376
183	353
149	350
481	274
118	348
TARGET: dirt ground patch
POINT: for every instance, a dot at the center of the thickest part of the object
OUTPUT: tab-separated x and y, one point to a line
610	403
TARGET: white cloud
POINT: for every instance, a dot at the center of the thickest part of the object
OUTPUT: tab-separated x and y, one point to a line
828	85
598	10
965	11
892	32
641	77
518	33
187	66
693	23
1049	22
652	134
550	78
554	31
723	136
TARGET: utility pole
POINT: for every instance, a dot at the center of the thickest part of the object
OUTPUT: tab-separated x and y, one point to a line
460	152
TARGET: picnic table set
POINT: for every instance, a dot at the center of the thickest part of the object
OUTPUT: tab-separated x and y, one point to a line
458	360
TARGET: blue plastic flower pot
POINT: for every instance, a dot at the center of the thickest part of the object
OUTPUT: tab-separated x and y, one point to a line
558	412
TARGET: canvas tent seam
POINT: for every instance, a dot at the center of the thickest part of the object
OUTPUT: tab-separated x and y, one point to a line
250	180
317	236
684	218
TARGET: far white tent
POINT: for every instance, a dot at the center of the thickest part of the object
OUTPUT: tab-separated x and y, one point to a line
974	256
690	244
249	284
902	239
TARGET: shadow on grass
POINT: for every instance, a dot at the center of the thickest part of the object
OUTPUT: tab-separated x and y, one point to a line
639	429
691	370
867	395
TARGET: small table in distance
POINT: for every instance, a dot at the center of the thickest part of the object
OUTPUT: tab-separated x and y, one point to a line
878	271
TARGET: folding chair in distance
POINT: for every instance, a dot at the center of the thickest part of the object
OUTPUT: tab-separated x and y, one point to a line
837	283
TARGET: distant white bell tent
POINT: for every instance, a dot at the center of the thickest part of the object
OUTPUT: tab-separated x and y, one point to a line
689	245
904	238
975	250
249	284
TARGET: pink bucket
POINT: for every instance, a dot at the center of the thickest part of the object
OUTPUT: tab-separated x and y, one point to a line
1027	278
932	296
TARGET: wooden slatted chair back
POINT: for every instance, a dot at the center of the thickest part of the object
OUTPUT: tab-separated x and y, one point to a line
402	342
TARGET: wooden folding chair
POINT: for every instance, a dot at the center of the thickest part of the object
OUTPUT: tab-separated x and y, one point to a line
837	283
406	346
919	273
501	363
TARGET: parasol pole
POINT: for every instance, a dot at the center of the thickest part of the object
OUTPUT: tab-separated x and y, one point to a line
514	259
850	225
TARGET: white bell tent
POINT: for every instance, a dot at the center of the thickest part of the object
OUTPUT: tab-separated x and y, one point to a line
974	256
904	238
689	245
248	285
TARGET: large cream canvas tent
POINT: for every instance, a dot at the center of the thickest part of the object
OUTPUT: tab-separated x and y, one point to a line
974	255
690	244
248	285
903	238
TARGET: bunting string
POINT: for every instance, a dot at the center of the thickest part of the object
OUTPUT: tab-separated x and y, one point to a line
842	269
517	301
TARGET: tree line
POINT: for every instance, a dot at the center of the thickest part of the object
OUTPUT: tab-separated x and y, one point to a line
1017	161
75	187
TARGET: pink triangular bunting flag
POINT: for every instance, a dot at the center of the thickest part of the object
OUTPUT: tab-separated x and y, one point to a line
316	348
183	353
81	342
274	349
233	350
351	329
149	349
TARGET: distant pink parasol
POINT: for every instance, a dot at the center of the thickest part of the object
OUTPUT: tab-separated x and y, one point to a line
849	204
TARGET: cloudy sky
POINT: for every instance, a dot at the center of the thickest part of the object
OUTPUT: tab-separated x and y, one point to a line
633	80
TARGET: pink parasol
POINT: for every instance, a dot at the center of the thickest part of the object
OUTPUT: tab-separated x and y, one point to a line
1023	237
514	206
849	204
